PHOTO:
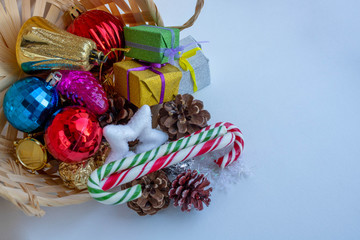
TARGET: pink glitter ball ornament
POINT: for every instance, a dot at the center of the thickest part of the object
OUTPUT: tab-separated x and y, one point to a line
81	88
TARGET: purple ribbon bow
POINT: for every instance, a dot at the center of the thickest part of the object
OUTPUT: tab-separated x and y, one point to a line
151	67
173	53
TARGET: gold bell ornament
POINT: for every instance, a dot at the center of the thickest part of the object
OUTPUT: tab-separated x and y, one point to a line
77	175
41	46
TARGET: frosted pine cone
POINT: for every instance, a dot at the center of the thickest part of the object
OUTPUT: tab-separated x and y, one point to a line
182	116
189	189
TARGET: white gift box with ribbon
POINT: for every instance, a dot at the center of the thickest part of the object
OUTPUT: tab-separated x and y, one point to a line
193	57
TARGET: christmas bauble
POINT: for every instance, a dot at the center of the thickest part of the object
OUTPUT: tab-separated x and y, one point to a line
29	103
42	46
31	153
73	134
82	88
104	29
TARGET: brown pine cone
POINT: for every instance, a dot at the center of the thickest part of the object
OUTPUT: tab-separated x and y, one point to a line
182	116
120	111
101	155
155	193
189	189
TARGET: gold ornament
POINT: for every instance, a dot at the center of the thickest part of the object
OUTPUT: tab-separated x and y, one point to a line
77	175
31	154
42	46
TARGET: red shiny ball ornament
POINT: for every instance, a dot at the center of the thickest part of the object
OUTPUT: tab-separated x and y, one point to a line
106	30
73	134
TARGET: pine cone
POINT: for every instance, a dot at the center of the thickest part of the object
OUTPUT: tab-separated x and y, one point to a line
101	155
120	111
189	189
182	116
155	193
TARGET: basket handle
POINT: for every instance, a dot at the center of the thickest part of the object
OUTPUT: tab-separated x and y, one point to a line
191	21
154	13
158	20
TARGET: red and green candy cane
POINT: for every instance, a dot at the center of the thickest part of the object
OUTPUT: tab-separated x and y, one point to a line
114	174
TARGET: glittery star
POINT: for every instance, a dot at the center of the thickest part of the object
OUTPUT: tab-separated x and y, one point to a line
139	127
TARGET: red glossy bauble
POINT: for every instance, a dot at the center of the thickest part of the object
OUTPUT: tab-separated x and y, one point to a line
73	134
106	30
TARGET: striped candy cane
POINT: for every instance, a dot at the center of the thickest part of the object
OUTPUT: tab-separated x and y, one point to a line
111	175
236	151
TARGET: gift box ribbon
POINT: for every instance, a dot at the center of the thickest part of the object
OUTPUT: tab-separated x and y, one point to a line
151	67
186	66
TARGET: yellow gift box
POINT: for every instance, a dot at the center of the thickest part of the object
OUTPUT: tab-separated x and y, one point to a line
146	83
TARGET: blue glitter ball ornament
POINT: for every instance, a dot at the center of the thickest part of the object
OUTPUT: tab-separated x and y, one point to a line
29	103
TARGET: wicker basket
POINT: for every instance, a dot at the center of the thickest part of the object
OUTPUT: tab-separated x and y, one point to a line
31	191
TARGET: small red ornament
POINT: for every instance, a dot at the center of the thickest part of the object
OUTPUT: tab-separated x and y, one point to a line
106	30
73	134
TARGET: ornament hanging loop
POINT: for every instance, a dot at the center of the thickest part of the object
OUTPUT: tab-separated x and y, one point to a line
98	57
113	50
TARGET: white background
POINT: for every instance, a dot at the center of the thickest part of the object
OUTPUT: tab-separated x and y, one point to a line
285	72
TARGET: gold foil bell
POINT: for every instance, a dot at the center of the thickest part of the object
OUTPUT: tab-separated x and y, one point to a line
31	154
42	46
77	175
